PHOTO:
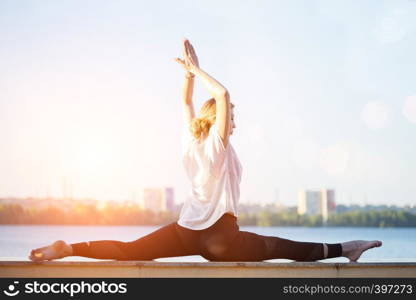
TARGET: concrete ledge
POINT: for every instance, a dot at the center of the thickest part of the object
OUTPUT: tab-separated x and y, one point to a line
152	269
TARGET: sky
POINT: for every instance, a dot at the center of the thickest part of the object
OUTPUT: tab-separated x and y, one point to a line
324	94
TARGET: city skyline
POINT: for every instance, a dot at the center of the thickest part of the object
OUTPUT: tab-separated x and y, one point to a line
138	197
324	97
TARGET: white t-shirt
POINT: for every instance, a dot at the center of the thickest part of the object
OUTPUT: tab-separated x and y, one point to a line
215	175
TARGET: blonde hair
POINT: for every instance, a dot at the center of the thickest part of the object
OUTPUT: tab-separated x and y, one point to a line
200	126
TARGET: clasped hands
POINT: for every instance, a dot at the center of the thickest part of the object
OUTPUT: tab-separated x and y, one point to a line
190	61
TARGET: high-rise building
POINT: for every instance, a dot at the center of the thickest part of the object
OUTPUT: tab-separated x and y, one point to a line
158	199
316	202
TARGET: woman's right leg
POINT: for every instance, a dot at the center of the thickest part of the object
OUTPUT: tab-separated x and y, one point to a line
225	242
277	247
249	246
164	242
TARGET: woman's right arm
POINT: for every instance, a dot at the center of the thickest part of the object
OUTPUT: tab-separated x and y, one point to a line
222	100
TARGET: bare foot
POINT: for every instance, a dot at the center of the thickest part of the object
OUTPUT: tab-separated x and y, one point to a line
353	249
58	249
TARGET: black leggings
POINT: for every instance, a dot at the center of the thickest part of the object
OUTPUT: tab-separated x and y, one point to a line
223	241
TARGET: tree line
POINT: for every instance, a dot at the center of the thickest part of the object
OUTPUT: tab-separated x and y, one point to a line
86	214
357	218
82	214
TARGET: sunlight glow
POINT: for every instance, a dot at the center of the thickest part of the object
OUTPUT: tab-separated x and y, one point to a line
92	158
91	107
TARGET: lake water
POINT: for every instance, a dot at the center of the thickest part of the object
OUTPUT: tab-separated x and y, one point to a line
399	244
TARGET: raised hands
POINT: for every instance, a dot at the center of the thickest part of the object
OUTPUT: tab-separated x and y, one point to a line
217	90
190	61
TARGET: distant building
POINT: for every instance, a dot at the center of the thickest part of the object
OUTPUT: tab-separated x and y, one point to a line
316	202
158	199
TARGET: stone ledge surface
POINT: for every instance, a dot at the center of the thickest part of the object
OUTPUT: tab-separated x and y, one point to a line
152	269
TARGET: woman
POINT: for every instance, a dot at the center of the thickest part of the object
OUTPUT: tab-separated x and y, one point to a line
207	225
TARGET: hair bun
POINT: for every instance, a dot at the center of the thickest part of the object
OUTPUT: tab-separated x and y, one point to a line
200	127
